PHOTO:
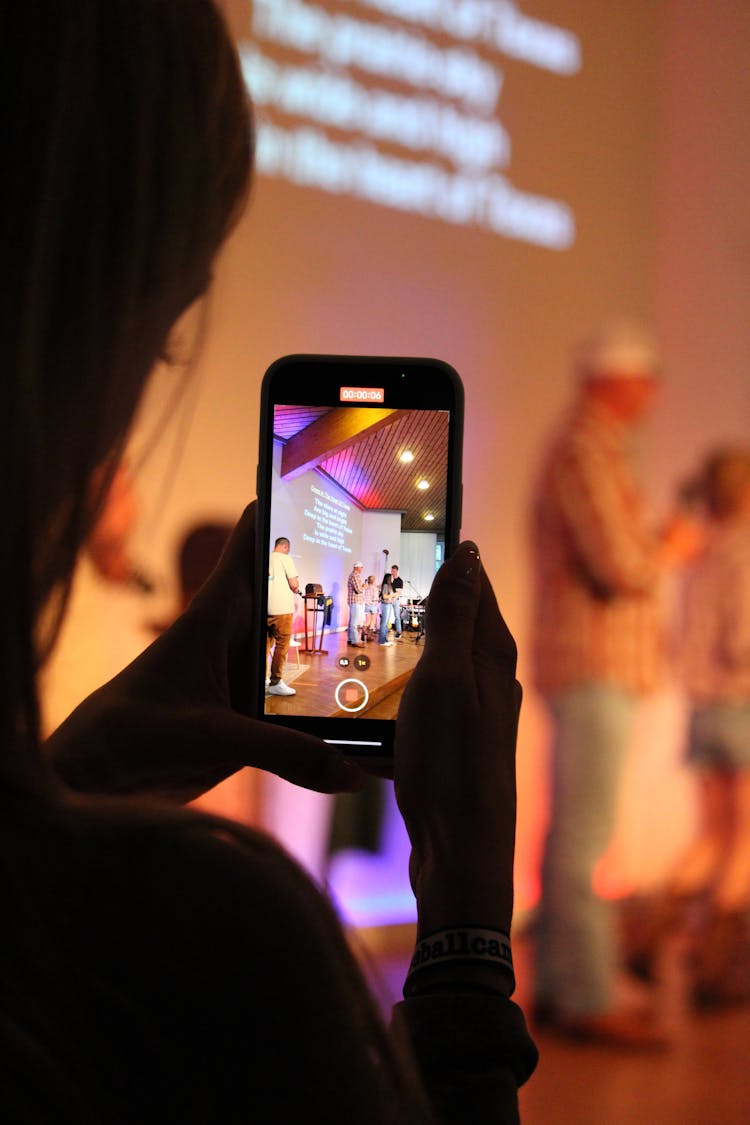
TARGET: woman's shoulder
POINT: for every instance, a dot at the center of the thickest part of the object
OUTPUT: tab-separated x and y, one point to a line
190	943
184	911
127	866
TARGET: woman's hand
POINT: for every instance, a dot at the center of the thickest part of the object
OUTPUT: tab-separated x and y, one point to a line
175	722
455	771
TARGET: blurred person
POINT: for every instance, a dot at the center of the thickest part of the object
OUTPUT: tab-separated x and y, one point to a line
155	963
714	874
283	584
598	649
199	553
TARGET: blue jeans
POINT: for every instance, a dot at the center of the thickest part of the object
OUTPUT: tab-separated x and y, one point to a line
356	617
386	613
576	947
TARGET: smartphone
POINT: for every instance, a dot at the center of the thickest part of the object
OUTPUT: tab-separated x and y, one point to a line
359	502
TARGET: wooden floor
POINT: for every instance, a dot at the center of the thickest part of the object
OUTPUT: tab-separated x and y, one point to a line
704	1079
386	674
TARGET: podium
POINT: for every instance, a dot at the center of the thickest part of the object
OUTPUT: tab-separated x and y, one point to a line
315	615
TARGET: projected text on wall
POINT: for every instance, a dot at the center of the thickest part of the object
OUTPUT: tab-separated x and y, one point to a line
327	519
396	102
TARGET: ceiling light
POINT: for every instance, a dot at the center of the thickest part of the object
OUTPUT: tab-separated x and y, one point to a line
429	516
406	456
423	484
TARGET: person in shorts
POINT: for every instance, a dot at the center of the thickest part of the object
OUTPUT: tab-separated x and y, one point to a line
371	594
716	667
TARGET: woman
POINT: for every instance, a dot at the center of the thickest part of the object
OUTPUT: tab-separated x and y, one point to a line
371	594
158	965
716	659
708	891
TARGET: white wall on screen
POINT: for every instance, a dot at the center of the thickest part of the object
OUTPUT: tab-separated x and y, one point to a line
380	530
416	562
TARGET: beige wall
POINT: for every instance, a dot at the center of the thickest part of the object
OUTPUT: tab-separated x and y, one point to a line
649	146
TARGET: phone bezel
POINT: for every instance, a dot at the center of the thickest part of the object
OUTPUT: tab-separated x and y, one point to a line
315	380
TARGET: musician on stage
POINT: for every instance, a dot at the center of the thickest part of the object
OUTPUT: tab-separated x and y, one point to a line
396	584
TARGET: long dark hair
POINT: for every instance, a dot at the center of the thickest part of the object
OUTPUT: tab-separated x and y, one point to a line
128	152
127	155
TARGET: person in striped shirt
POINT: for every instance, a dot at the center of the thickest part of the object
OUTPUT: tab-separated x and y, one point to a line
355	599
598	649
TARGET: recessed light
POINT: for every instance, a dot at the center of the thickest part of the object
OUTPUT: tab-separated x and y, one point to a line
423	484
429	517
406	456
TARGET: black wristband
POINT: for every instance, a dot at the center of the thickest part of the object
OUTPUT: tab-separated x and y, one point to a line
462	946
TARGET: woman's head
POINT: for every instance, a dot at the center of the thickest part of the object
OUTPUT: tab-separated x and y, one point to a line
726	482
128	149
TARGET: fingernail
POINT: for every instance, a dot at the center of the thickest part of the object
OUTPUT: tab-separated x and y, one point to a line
475	563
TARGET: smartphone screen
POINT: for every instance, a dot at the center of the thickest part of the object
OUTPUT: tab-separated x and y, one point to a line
359	490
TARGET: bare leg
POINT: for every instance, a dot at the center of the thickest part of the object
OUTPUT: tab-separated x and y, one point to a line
733	885
694	875
721	958
704	860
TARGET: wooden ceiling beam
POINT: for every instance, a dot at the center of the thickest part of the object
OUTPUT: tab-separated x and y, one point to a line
330	433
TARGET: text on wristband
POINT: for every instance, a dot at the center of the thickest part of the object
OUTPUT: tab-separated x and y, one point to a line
465	944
